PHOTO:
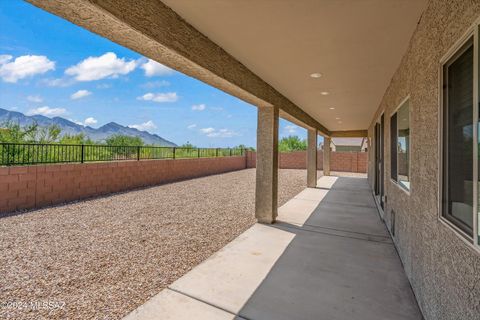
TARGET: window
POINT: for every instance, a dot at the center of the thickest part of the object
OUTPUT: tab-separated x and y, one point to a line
393	147
400	145
460	130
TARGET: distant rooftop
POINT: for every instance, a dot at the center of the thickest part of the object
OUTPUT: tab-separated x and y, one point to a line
348	144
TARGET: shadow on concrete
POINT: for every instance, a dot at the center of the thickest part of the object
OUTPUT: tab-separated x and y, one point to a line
342	264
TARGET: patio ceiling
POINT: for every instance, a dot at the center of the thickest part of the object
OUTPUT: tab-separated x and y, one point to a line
355	45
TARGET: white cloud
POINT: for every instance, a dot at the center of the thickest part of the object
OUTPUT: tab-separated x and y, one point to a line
153	68
159	97
23	67
207	130
192	126
80	94
198	107
105	66
90	121
149	125
4	58
104	86
46	111
226	133
57	82
290	128
155	84
220	133
36	99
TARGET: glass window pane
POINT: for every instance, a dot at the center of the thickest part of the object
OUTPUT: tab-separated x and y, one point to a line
393	147
458	139
403	145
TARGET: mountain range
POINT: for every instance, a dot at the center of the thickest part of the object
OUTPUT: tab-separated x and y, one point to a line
70	127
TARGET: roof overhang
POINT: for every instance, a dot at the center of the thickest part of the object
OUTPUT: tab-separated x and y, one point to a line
355	44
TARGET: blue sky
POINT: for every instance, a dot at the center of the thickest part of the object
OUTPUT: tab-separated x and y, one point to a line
52	67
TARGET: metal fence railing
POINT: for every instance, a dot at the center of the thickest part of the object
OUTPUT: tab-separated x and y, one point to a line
23	153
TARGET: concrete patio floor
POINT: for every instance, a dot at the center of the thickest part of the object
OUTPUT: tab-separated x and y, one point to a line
329	256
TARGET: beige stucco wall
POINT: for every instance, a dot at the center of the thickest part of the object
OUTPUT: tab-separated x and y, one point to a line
443	270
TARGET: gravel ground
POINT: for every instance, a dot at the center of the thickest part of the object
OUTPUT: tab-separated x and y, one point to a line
102	258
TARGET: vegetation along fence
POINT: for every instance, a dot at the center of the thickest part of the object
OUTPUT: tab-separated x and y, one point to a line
23	153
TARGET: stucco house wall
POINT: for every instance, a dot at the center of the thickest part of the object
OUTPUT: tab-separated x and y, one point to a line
443	270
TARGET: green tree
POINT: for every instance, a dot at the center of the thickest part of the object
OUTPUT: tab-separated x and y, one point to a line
48	134
242	146
80	138
123	140
188	145
292	143
14	133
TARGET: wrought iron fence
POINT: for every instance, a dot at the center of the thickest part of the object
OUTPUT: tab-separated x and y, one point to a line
23	153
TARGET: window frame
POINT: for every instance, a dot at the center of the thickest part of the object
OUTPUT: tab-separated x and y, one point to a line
471	33
395	111
467	45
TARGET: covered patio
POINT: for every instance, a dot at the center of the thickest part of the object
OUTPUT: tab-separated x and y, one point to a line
372	69
329	256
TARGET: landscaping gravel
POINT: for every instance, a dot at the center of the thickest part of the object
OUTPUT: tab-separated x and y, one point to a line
102	258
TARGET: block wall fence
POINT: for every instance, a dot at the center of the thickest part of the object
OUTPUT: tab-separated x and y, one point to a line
339	161
28	187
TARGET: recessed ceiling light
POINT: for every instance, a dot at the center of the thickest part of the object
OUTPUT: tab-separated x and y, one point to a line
337	118
315	75
331	108
324	93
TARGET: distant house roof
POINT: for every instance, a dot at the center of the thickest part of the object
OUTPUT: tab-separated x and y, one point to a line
347	141
360	143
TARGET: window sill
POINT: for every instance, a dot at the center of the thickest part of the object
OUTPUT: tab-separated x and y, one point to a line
405	185
400	186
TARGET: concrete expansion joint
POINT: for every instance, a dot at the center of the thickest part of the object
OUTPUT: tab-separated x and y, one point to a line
208	303
350	204
305	199
369	238
348	231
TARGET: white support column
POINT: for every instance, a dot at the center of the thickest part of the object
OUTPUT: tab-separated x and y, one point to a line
312	158
266	192
326	156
